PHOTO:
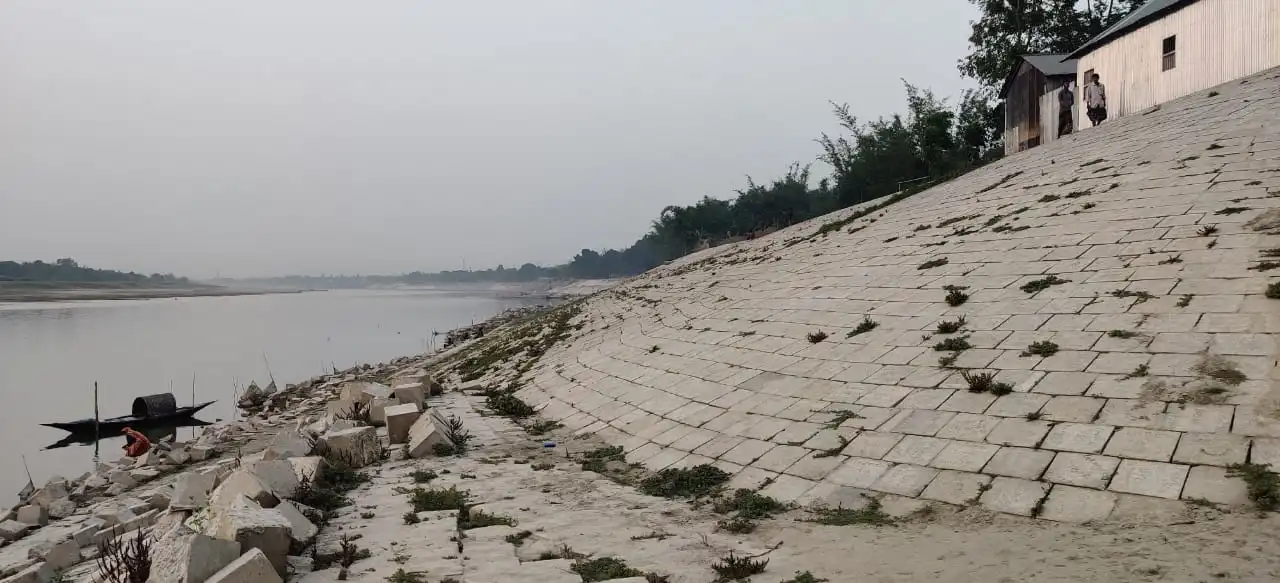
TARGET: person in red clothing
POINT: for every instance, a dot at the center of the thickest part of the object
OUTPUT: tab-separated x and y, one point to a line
136	443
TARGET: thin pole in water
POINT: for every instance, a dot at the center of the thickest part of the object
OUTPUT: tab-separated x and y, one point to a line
97	435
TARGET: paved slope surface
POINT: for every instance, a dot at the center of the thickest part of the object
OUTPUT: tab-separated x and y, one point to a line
1156	341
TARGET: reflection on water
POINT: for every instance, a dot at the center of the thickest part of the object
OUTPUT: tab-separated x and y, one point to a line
199	349
167	433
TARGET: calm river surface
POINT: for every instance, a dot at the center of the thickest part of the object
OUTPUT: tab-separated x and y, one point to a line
52	353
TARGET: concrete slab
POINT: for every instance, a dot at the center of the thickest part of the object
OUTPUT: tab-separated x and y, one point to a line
1018	462
1077	505
1078	437
905	480
1213	484
1143	444
1156	479
1014	496
955	487
1215	449
1084	470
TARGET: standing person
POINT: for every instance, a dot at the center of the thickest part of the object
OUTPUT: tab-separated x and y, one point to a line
1095	99
1066	100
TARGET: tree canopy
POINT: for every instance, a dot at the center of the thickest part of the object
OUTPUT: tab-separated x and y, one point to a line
68	270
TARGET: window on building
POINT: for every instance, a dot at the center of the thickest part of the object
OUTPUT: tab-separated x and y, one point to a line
1169	50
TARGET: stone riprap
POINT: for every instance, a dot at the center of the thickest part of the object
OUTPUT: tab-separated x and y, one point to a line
1156	229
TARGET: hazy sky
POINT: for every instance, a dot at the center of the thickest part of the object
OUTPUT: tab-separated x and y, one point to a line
263	137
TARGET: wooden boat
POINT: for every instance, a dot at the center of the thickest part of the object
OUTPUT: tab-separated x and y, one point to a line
149	411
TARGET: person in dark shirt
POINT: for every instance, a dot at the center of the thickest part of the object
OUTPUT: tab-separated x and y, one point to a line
1066	100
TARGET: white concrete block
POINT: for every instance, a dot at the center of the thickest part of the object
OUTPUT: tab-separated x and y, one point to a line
251	567
400	419
423	436
188	557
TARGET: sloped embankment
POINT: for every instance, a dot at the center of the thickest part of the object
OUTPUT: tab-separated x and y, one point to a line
1058	334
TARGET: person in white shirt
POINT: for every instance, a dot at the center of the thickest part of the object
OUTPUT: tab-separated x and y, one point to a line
1095	100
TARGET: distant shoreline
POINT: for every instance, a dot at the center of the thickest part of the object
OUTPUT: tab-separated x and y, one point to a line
62	294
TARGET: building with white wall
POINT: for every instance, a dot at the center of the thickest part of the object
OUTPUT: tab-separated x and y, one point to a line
1171	48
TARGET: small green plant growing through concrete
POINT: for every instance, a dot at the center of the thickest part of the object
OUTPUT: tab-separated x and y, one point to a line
1216	367
597	460
542	427
1088	205
956	295
1034	416
367	515
654	348
1000	388
735	568
1207	230
1140	371
603	569
541	466
652	535
1215	146
517	539
1261	484
1041	348
402	576
979	382
951	326
1185	300
1037	285
816	337
1273	291
930	264
746	506
955	344
699	480
1273	252
349	552
1170	260
871	514
949	360
1142	296
469	518
839	416
423	499
457	436
1265	266
866	325
1232	210
1049	198
1121	334
833	451
443	449
805	577
411	518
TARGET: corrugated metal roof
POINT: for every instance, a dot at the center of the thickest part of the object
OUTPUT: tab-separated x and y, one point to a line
1050	65
1152	10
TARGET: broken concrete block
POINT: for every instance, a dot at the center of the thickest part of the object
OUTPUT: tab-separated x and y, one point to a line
363	391
252	567
256	528
191	491
200	453
278	476
62	508
183	556
84	536
57	555
11	530
178	456
399	419
340	408
410	393
242	483
301	529
122	478
434	388
357	446
37	573
307	468
160	497
423	436
287	444
53	491
141	475
378	410
33	514
301	565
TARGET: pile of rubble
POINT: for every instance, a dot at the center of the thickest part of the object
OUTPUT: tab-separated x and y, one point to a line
223	520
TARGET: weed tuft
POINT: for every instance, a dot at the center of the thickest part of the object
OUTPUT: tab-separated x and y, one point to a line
603	569
1142	296
816	337
1231	210
1219	368
840	416
1262	485
872	514
517	539
1121	334
956	295
951	326
1265	266
956	344
1140	371
423	499
979	382
1034	416
1185	300
691	482
402	576
735	568
1041	348
866	325
1038	285
930	264
1273	291
1207	230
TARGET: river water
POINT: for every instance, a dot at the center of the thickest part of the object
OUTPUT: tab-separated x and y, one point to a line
52	353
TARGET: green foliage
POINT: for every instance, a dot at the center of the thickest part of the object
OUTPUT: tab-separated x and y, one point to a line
691	482
866	325
816	337
953	344
1262	486
603	569
469	519
930	264
68	270
951	326
871	514
424	499
735	568
1038	285
423	476
1041	348
956	295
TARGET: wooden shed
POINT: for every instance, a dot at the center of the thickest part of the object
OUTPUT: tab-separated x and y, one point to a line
1030	95
1168	49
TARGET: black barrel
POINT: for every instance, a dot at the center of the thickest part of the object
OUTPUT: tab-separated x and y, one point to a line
155	405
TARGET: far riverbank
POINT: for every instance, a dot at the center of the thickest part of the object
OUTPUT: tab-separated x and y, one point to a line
61	294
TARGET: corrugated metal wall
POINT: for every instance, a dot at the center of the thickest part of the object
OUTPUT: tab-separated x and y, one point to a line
1217	41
